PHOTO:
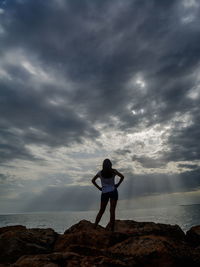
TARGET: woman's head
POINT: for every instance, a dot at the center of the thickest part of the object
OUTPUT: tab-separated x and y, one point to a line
107	170
107	164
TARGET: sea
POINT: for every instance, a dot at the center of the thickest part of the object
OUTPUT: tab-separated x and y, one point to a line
185	216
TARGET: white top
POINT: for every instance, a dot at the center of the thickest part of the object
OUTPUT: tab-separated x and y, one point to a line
108	184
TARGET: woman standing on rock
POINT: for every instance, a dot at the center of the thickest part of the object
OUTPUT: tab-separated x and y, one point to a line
109	191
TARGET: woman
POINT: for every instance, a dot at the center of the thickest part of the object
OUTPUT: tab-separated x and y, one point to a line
109	191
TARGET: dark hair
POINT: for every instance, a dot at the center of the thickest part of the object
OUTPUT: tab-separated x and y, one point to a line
107	171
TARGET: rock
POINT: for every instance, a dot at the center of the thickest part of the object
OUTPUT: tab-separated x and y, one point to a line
16	241
83	225
193	236
153	250
143	228
83	234
68	259
15	228
132	244
48	260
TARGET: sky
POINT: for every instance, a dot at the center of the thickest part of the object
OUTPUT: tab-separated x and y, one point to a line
85	80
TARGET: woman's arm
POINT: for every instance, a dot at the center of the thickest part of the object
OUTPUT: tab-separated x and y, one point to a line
121	177
94	182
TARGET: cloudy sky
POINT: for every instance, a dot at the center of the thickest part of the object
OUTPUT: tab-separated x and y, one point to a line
84	80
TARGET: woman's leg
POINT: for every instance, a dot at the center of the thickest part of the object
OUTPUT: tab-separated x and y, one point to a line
113	204
101	212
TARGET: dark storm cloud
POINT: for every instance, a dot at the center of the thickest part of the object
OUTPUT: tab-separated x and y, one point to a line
189	166
38	121
100	46
2	178
184	143
122	151
145	161
148	162
12	146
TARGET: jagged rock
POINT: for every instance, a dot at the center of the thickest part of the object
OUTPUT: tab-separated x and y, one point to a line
83	234
144	228
83	225
132	244
68	259
154	250
16	241
48	260
193	235
12	228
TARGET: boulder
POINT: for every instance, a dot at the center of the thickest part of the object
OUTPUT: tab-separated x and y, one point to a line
143	228
16	241
153	250
83	225
193	236
48	260
67	259
84	234
15	228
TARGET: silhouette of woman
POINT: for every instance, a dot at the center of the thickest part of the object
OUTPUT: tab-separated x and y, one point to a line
109	191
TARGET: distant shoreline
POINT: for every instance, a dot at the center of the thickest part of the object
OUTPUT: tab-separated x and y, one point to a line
190	204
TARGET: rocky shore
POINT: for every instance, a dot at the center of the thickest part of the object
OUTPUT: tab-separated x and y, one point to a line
132	244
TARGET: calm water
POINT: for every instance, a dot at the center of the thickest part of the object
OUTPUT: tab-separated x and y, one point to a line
184	216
